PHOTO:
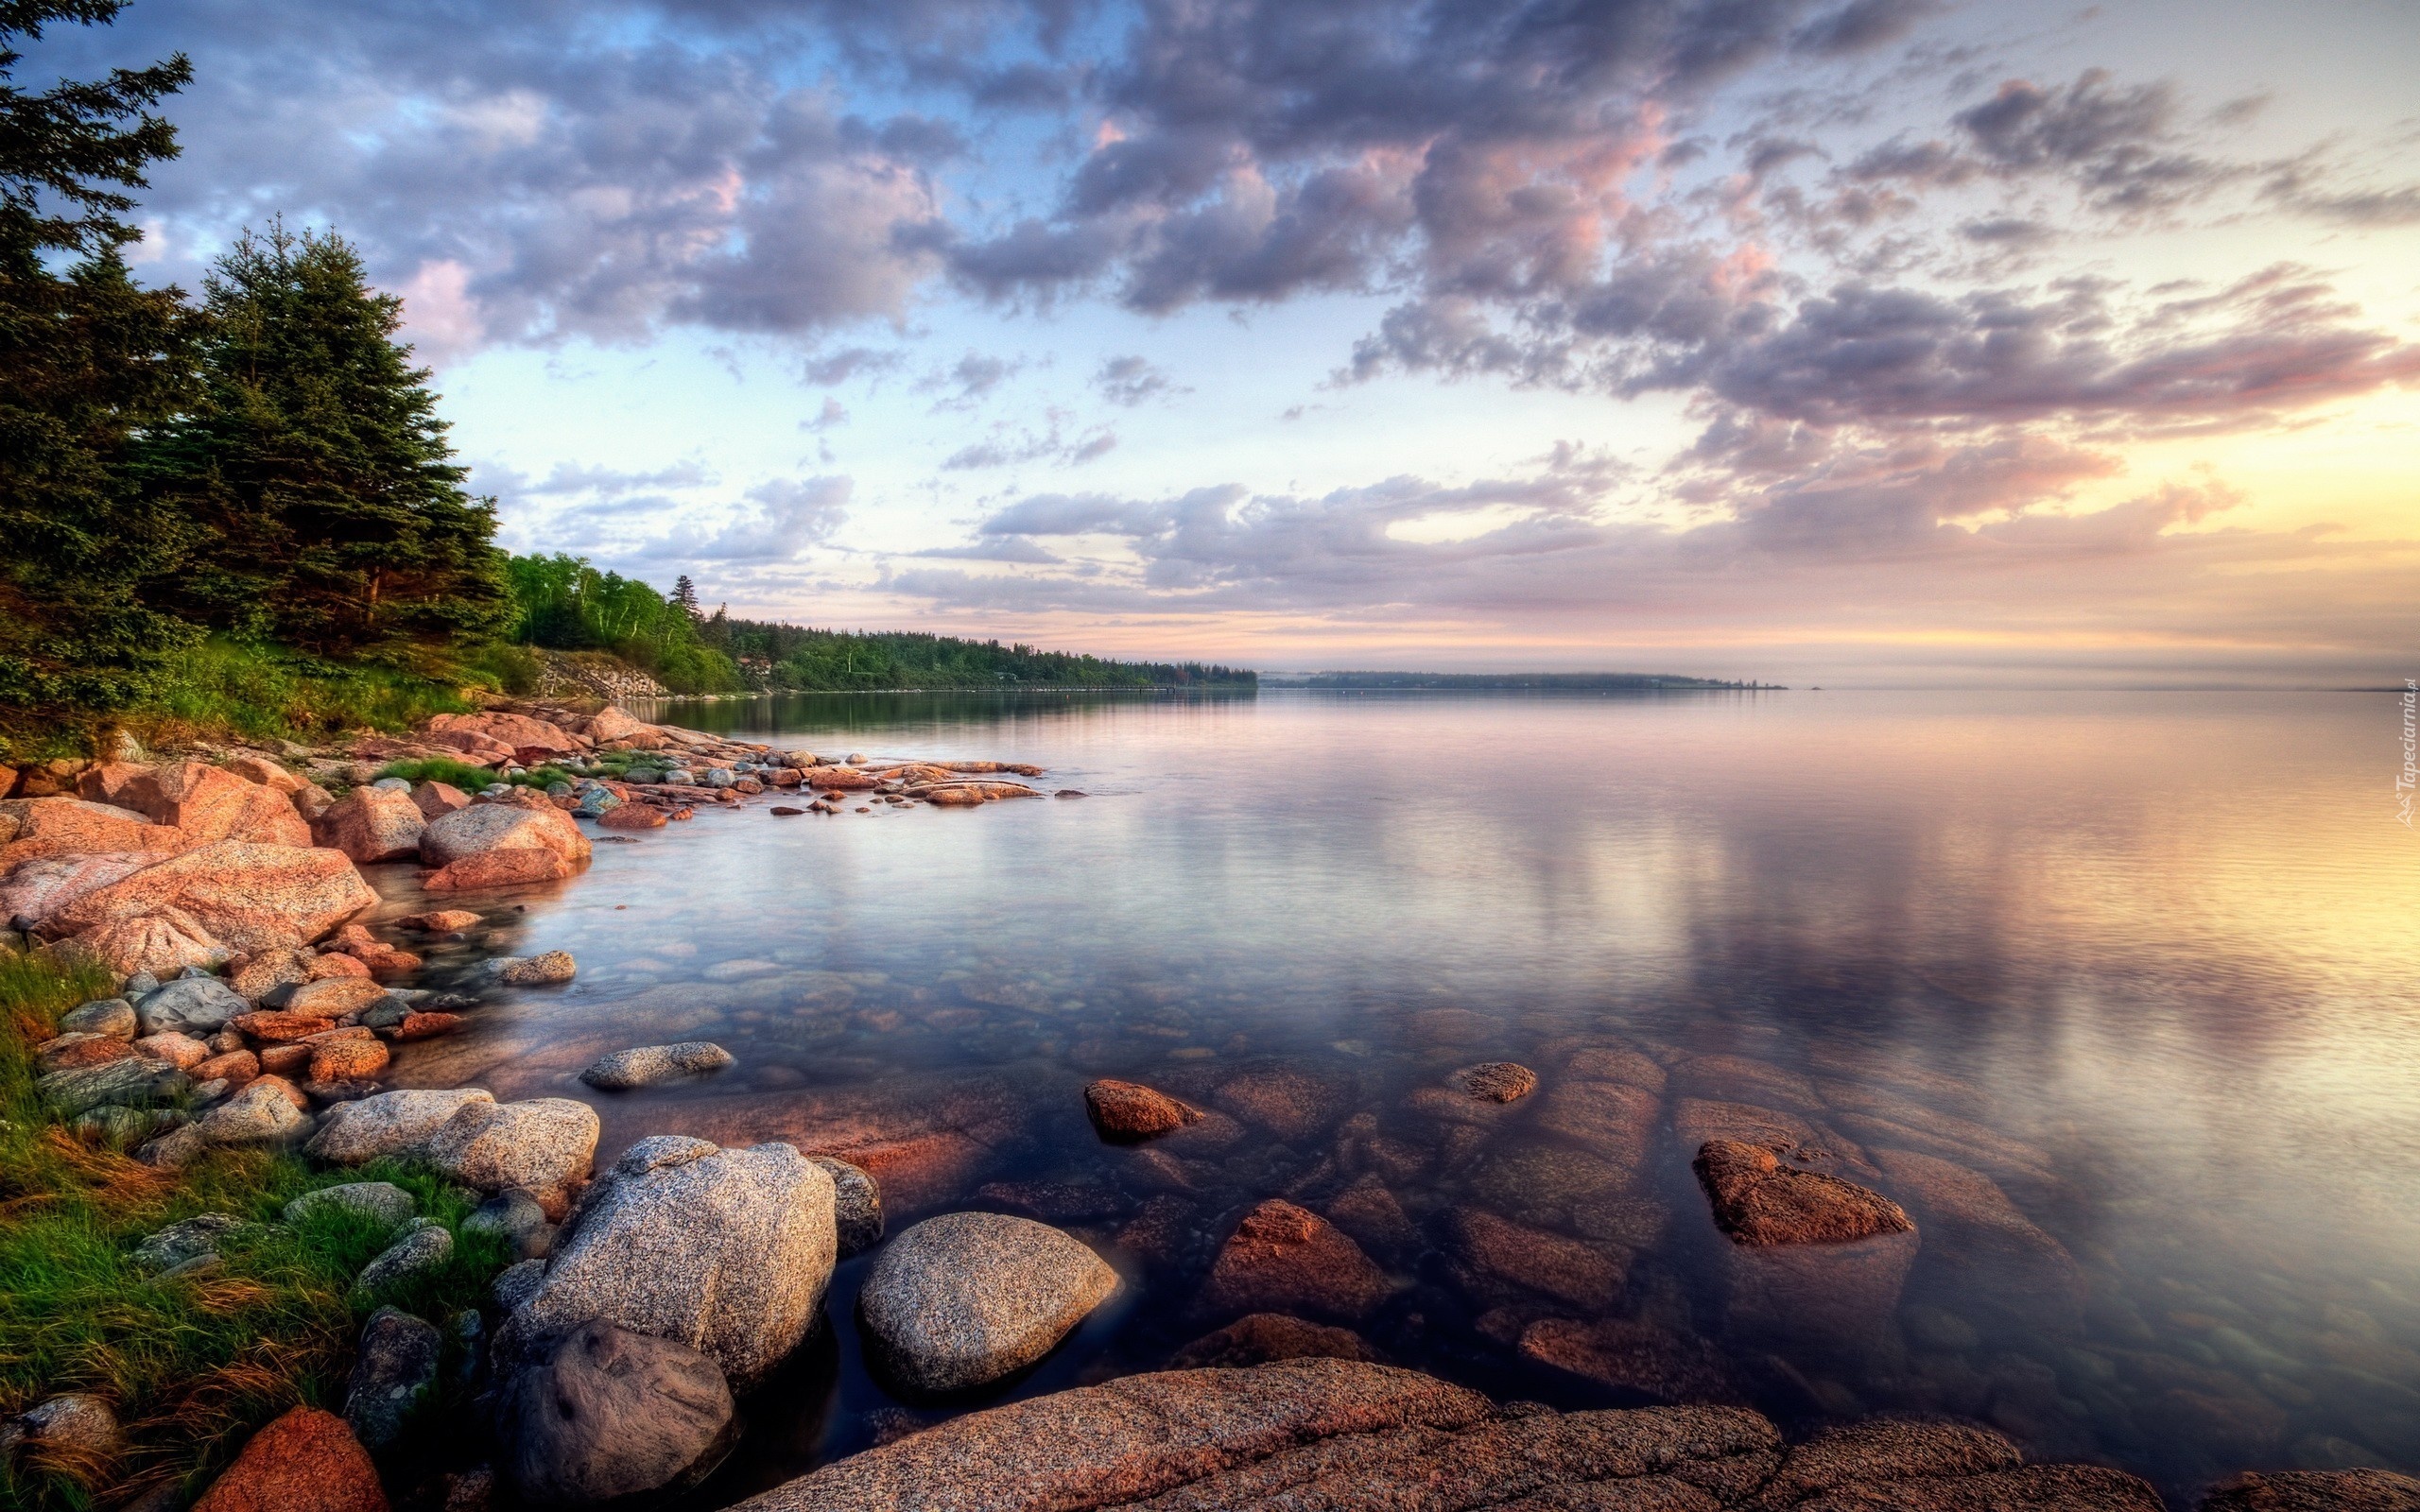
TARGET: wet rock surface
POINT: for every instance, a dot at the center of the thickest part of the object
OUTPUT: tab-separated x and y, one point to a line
1285	1258
968	1297
609	1414
1126	1111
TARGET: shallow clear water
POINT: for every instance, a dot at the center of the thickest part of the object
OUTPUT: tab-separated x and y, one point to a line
2131	972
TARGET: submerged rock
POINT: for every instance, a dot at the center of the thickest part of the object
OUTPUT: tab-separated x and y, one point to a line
2364	1490
1127	1110
649	1064
609	1414
1811	1256
1496	1081
1264	1339
968	1297
1285	1258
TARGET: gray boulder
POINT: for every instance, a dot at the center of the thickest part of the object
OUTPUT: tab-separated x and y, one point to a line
395	1368
515	1284
262	1113
185	1240
122	1083
426	1246
393	1124
197	1005
110	1018
544	1145
857	1206
649	1064
519	1218
609	1415
382	1200
74	1421
970	1296
725	1251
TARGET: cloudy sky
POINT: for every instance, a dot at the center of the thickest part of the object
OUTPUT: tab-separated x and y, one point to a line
1854	340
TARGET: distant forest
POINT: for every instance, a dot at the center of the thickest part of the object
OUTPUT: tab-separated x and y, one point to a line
1530	681
564	604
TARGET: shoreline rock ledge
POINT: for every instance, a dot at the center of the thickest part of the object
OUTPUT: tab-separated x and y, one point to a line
1345	1433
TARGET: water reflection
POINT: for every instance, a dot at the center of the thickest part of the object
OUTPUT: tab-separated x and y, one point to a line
2106	989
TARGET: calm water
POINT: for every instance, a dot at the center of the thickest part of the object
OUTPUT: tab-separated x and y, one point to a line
2131	972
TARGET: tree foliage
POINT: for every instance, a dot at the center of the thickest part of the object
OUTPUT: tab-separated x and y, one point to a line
333	511
89	365
564	604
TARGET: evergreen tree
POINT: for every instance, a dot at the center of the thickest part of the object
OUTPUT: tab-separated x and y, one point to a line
89	363
336	515
684	597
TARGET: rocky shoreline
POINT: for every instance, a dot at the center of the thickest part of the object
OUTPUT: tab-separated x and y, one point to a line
643	1304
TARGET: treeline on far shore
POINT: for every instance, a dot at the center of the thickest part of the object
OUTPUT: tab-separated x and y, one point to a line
563	603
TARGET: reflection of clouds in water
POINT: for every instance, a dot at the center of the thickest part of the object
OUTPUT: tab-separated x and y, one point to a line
2002	959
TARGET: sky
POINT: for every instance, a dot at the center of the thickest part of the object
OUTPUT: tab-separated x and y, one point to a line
1878	342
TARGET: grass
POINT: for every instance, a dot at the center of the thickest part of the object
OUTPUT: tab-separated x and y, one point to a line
192	1365
262	692
472	779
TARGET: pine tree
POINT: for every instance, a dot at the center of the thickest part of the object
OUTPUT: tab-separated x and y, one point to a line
684	597
89	363
336	514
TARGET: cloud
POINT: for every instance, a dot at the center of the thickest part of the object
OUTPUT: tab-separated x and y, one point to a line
788	516
571	477
1130	380
969	381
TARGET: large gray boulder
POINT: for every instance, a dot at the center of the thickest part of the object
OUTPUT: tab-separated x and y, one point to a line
394	1124
607	1414
970	1296
197	1005
725	1251
395	1368
544	1145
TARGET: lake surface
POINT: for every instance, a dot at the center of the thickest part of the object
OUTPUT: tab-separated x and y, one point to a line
2114	991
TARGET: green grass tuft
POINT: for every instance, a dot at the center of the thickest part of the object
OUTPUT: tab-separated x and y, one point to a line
192	1365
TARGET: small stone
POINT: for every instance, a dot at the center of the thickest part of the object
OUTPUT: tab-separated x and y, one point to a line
306	1461
184	1241
650	1064
1128	1111
347	1060
84	1425
443	922
968	1297
519	1219
424	1249
539	970
264	1112
1496	1081
393	1369
382	1200
110	1018
181	1051
194	1005
857	1209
